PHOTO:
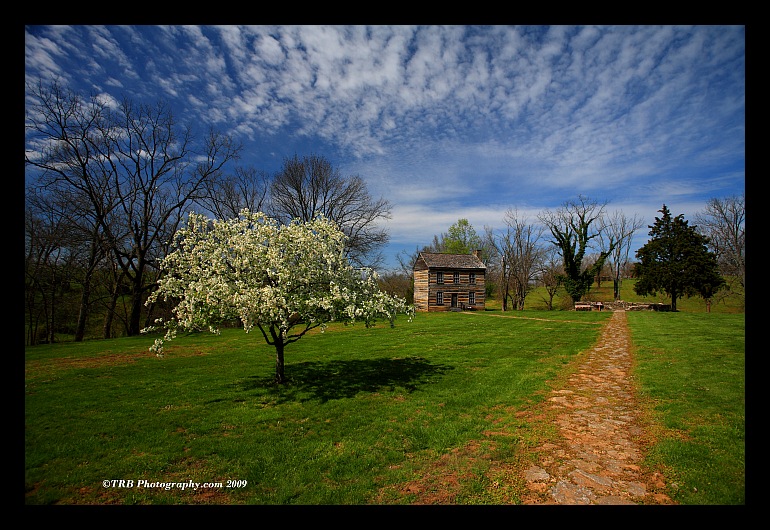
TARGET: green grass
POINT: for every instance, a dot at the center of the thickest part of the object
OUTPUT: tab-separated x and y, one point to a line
731	304
691	370
364	410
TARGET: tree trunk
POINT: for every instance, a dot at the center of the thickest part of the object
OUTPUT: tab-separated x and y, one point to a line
85	299
109	315
135	317
673	300
504	292
84	307
279	373
136	313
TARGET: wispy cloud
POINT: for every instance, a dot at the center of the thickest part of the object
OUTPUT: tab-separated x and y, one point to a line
445	119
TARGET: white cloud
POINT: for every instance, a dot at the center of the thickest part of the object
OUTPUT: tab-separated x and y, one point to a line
443	120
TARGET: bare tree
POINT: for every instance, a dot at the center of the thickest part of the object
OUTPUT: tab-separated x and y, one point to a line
228	195
551	272
406	261
398	284
82	240
519	258
494	262
724	222
307	187
64	144
573	226
45	267
405	271
619	229
136	169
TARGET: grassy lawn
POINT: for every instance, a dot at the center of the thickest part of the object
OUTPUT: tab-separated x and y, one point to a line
691	370
365	410
537	299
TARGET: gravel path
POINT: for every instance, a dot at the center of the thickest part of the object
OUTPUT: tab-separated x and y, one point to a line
597	458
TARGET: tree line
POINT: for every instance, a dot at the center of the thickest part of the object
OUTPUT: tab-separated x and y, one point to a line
108	188
567	248
582	242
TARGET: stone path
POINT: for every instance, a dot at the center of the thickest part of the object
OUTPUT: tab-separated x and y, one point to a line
596	460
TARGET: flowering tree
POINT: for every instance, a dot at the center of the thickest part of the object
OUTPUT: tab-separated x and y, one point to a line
283	279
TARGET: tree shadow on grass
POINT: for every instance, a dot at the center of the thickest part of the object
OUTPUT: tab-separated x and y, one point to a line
325	380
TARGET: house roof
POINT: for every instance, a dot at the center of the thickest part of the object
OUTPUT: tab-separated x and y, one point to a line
450	261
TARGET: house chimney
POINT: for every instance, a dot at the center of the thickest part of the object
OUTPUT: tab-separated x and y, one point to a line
477	253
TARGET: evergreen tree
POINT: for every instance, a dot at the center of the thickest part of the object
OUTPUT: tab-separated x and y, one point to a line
676	261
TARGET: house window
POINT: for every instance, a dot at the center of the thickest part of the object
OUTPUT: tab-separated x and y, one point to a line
439	277
471	298
439	297
457	277
471	277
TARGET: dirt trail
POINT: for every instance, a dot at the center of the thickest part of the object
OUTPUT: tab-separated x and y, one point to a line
597	457
594	458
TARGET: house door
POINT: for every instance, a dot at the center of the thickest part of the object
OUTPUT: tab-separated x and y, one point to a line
454	300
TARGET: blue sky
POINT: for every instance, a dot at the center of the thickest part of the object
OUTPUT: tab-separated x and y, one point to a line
446	122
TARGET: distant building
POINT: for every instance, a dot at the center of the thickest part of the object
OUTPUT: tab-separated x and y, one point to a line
444	282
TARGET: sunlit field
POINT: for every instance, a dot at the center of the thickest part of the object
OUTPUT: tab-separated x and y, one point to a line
364	410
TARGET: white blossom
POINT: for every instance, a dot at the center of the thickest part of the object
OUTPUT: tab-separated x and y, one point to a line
285	279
